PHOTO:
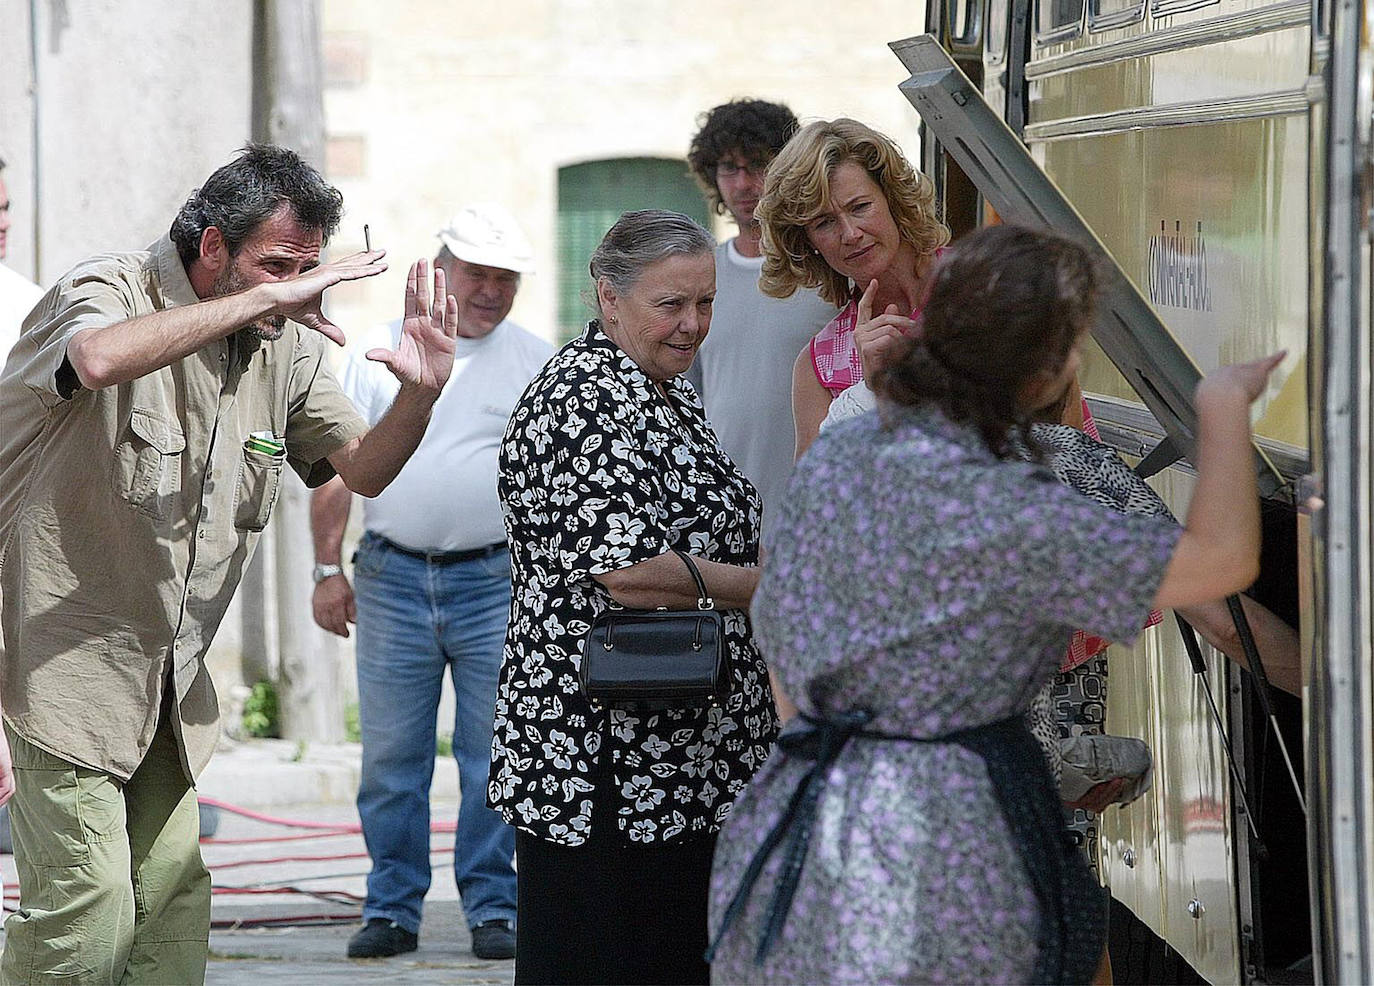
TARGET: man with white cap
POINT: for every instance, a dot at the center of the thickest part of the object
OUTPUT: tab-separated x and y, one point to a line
430	594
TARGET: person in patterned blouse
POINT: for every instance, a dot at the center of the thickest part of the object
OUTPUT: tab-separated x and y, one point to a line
607	464
913	633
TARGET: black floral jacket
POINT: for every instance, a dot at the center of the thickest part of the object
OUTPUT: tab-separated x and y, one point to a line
598	472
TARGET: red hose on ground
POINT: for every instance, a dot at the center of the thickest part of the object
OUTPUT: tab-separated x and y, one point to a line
313	830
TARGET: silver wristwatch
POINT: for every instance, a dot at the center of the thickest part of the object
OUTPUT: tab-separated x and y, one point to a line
321	572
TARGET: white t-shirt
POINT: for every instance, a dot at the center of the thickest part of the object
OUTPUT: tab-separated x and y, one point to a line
743	371
444	499
18	295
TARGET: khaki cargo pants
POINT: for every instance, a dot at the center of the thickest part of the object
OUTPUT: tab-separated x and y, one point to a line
112	888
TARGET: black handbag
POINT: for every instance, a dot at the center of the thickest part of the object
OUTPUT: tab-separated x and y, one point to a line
647	659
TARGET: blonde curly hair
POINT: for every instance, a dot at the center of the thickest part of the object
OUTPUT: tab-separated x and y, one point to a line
797	189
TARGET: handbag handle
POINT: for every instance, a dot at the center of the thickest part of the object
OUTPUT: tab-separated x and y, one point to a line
704	601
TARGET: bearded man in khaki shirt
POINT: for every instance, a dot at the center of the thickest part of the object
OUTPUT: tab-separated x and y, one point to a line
146	415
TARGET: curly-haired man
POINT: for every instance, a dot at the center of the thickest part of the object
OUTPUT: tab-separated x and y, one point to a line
744	368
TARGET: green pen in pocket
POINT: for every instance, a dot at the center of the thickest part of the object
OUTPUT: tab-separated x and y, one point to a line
265	443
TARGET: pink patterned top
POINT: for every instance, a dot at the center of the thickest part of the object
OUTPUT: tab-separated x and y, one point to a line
835	354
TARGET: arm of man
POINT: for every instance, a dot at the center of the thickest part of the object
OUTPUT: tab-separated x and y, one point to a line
125	350
421	361
1276	641
332	603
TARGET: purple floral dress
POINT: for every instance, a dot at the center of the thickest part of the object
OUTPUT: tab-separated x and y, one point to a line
911	574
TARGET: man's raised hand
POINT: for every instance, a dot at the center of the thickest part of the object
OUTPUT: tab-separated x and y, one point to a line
424	356
298	298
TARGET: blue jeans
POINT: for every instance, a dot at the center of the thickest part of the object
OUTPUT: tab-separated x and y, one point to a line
416	619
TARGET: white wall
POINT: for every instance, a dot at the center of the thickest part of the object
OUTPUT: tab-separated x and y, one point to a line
456	101
132	104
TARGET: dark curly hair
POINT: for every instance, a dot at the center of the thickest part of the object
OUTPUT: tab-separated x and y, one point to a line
249	189
751	127
1006	304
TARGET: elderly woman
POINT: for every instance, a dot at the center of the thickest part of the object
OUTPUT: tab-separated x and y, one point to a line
844	212
913	634
608	465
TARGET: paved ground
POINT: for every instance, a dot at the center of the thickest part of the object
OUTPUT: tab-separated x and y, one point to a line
245	950
243	954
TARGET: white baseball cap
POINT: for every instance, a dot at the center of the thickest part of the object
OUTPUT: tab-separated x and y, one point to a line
485	233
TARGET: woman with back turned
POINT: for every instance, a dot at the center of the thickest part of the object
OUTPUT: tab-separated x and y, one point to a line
607	466
921	582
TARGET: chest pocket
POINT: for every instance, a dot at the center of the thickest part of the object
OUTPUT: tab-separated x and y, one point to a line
258	485
147	470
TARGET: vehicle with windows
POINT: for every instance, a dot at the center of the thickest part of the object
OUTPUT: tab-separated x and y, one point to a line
1218	152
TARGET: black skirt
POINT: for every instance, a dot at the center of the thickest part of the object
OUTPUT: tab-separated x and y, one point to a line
606	912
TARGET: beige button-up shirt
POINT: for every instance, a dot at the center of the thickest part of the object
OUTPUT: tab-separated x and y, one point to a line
127	514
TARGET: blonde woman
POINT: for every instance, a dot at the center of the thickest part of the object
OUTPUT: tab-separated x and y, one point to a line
844	212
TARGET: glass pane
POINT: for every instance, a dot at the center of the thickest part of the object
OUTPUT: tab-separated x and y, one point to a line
1058	16
963	21
997	30
1115	12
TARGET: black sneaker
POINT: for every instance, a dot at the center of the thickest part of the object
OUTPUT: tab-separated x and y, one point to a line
380	939
494	939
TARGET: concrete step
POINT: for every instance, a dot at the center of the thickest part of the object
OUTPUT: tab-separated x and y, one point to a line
262	773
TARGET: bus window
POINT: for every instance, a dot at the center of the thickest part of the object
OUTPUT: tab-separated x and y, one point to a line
1104	14
964	21
1056	20
996	38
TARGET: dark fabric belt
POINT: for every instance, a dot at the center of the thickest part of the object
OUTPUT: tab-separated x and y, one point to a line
444	557
1073	915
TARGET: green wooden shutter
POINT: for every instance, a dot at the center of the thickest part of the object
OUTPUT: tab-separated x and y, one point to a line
591	197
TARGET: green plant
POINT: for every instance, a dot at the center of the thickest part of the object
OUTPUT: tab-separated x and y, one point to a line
443	745
353	730
260	714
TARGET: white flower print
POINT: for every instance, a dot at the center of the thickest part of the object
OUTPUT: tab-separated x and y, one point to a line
609	557
641	790
596	470
563	490
528	810
623	529
623	726
717	725
699	759
654	746
560	749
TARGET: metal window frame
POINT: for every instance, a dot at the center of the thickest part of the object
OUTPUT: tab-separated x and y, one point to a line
1167	8
1116	18
1065	32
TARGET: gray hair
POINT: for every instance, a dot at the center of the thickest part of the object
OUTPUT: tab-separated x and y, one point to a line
645	237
